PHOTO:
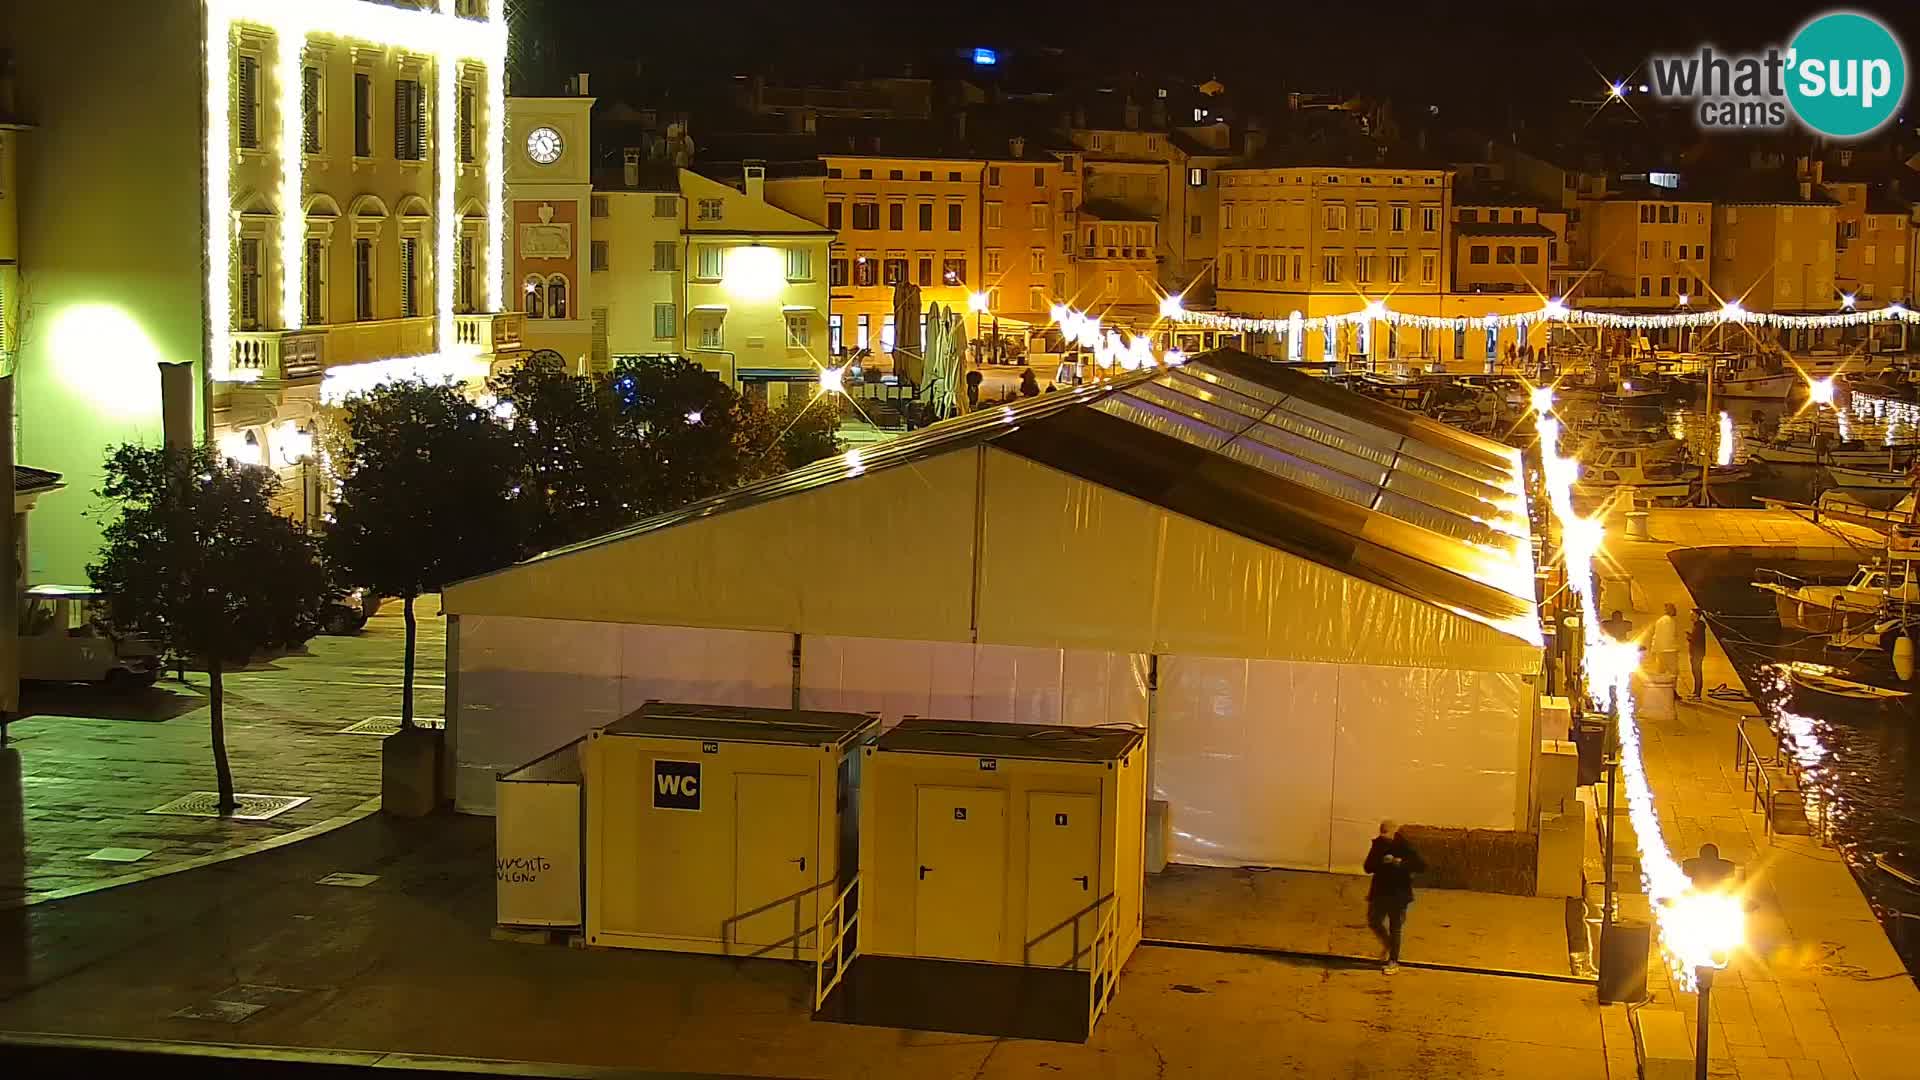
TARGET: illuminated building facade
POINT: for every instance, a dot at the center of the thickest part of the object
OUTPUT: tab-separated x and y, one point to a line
296	200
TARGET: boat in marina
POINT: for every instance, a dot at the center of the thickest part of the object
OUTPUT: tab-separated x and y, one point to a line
1763	377
1825	609
1655	476
1870	479
1818	684
1850	454
1643	393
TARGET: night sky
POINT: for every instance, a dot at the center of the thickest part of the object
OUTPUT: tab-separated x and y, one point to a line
1474	56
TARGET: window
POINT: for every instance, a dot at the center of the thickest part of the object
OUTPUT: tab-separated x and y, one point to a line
1226	216
1066	201
249	283
1040	215
363	280
665	206
1330	268
953	271
597	255
663	255
467	272
1429	267
834	216
1666	249
924	270
1646	214
1429	219
953	217
1196	178
1397	218
246	93
1504	256
799	331
834	328
664	322
866	174
1469	216
1363	268
1036	299
711	209
536	294
1260	266
469	122
310	98
1059	284
1193	225
1093	141
799	264
953	178
362	114
896	174
1396	268
866	271
315	282
1336	217
410	278
1477	254
896	215
926	174
713	261
1037	261
1646	249
836	271
894	270
1297	275
926	217
993	260
833	174
409	121
1369	217
1530	255
1868	256
866	215
860	335
1646	286
1699	251
1666	286
886	333
993	215
993	176
712	334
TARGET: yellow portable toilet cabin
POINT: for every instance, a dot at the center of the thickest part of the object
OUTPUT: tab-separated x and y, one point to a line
1001	870
719	829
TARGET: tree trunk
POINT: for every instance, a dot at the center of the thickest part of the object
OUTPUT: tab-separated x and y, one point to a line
216	698
406	678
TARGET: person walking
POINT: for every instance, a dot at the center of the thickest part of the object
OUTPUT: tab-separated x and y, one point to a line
1665	643
1697	652
1392	862
1617	626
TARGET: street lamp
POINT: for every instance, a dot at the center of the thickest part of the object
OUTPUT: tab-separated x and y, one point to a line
978	303
1703	927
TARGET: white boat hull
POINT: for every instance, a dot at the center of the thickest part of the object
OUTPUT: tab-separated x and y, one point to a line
1869	479
1804	455
1775	387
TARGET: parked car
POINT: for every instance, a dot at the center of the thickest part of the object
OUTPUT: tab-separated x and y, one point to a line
62	640
348	613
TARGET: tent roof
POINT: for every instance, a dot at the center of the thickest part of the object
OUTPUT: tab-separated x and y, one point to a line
1277	457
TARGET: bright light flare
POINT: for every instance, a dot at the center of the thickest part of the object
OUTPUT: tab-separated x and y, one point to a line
977	302
1820	391
1704	929
1541	398
1171	308
753	272
833	380
1723	452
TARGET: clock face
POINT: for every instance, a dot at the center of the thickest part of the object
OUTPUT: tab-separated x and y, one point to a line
543	145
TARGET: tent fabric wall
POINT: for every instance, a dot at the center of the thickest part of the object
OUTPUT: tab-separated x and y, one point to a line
526	686
1279	763
758	567
1074	688
1147	580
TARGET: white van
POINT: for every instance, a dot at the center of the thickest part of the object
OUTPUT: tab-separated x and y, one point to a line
60	642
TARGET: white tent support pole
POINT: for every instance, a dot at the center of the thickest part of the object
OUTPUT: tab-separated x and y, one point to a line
979	541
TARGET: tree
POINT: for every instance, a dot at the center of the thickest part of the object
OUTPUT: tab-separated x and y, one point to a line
427	497
804	429
198	563
687	422
585	463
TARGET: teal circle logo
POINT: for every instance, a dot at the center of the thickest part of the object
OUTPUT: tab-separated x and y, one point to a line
1846	74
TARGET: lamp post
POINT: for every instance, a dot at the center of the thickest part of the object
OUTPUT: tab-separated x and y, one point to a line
978	303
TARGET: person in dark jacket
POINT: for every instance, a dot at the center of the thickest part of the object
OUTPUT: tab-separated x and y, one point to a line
1392	862
1029	385
1697	652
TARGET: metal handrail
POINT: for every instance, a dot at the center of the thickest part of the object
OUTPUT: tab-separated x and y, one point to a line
835	946
1771	776
1100	969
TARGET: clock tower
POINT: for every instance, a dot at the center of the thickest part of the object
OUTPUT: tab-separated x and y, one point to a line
550	230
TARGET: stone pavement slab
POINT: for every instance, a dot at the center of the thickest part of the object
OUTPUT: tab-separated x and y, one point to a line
1822	992
86	766
1326	915
407	965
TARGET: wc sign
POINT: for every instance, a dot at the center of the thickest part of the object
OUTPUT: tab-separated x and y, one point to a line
676	785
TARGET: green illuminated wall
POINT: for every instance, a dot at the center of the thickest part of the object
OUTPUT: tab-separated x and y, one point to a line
110	232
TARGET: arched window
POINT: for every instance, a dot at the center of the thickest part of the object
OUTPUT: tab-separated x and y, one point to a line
556	297
536	303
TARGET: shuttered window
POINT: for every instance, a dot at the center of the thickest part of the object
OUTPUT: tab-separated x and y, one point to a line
362	114
249	284
409	283
310	110
409	121
246	81
316	282
363	280
467	98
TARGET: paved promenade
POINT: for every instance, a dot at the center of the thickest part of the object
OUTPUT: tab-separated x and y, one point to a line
1822	993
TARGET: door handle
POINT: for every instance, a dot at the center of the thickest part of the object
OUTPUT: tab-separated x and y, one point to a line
802	860
1082	879
923	872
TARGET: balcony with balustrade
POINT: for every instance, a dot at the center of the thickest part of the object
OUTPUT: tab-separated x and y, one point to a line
310	352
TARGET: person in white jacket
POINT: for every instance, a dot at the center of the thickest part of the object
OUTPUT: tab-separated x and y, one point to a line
1665	642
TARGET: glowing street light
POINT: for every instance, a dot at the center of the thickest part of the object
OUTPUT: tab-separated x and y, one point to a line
1820	391
977	302
832	381
1541	398
1170	307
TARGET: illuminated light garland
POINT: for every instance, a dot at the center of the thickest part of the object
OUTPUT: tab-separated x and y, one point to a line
439	34
1555	311
351	380
446	255
1110	348
1696	929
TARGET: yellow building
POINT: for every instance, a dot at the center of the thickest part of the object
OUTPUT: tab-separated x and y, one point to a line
1871	241
1776	252
1645	248
1169	176
296	200
1501	245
